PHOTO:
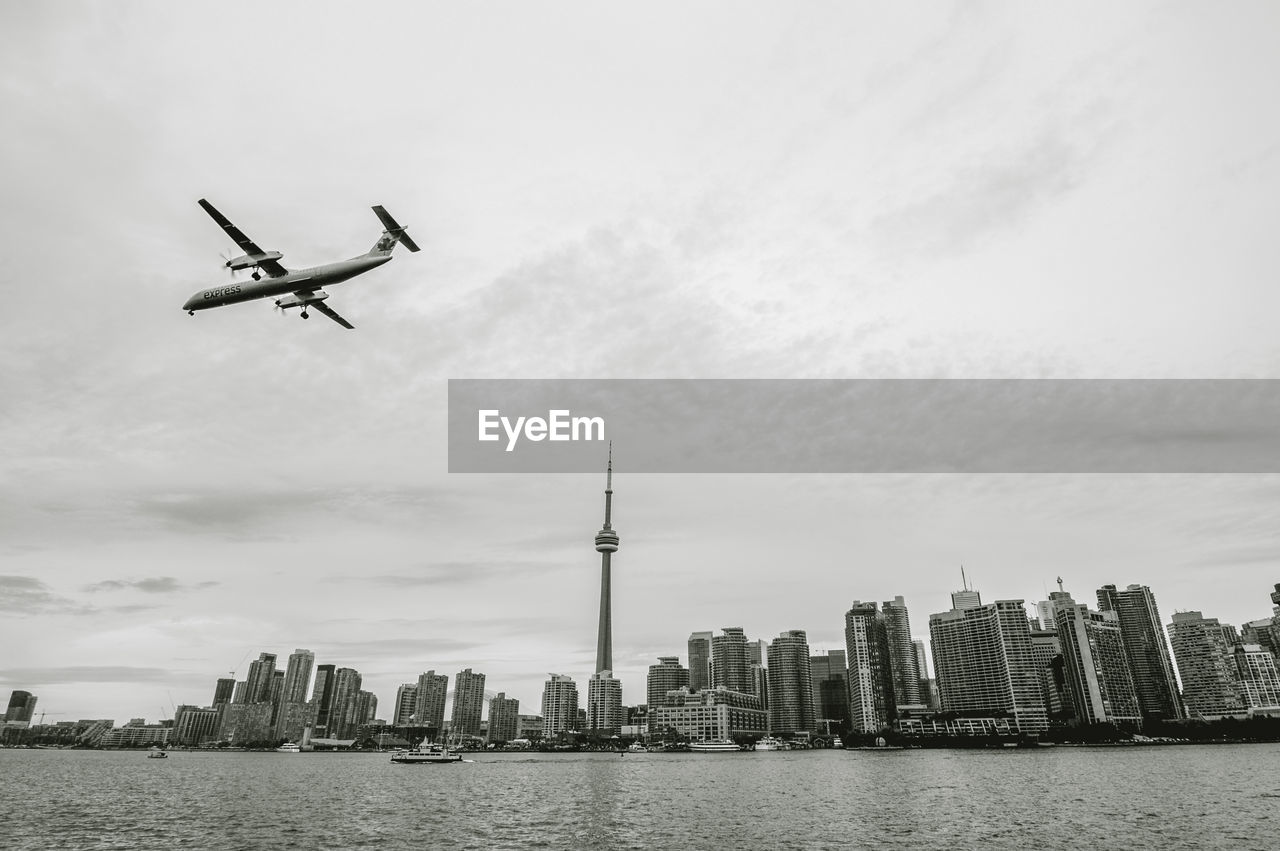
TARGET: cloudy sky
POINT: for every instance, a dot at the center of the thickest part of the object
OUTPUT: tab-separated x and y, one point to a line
706	190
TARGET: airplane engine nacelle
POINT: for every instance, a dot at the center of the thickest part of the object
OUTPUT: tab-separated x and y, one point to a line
295	301
248	261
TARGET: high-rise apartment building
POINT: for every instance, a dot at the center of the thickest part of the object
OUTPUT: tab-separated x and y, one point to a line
224	690
1146	650
559	706
406	704
1207	666
504	718
297	677
604	703
322	698
729	666
667	675
468	703
258	682
342	711
433	692
22	705
1096	667
699	661
1259	680
872	706
790	684
902	653
828	672
983	661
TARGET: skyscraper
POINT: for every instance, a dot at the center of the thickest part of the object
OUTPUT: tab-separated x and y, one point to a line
729	667
1146	650
872	706
322	698
902	653
559	706
604	703
667	675
297	676
341	721
983	661
433	691
223	691
258	682
468	703
406	704
699	661
829	673
1206	664
504	718
22	705
790	683
1095	666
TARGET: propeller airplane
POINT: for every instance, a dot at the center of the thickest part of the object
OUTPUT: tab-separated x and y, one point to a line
301	288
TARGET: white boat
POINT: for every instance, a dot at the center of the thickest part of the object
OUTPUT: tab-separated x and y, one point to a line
289	747
771	743
156	753
720	746
636	747
426	753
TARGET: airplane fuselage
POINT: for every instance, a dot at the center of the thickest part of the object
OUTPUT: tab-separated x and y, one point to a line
298	279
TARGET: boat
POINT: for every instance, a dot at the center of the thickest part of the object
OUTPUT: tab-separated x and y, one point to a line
156	753
717	746
426	753
636	747
289	747
771	743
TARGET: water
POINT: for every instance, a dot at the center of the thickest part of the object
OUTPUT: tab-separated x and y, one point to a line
1193	796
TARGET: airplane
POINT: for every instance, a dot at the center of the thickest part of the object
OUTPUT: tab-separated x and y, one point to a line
300	288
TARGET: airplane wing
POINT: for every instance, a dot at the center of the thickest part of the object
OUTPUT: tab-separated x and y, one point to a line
331	313
248	246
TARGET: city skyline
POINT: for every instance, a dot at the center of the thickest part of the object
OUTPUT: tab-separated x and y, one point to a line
846	191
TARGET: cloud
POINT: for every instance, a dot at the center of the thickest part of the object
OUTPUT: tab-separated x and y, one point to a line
152	585
72	674
27	595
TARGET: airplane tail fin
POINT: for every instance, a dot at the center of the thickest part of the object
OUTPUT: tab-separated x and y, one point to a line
391	234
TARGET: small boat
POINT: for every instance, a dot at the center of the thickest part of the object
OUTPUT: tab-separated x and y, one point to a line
426	753
636	747
719	746
289	747
156	753
771	743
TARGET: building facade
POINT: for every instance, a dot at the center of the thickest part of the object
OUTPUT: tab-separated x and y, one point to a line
1146	650
791	706
504	718
468	703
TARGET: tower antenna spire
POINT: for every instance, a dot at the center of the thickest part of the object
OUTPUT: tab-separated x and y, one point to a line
964	583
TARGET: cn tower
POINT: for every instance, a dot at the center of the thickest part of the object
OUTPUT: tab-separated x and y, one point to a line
606	545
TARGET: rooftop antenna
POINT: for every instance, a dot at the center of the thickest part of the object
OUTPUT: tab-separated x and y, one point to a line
963	581
1059	583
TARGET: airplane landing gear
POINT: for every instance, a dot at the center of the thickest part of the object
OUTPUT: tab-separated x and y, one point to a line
305	314
191	313
256	276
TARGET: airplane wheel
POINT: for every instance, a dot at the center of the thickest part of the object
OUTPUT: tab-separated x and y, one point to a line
306	315
257	277
191	313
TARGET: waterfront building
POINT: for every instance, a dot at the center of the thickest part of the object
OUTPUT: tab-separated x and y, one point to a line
258	682
902	652
322	698
504	718
294	721
559	706
194	725
433	691
983	661
1262	633
529	727
22	705
238	694
342	720
928	688
1259	681
790	684
604	703
1206	665
1146	650
1096	667
710	715
297	677
137	735
729	666
1046	650
828	672
699	661
224	690
468	703
872	706
667	675
406	704
242	724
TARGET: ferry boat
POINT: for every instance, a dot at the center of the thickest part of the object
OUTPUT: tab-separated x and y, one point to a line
771	743
157	754
719	746
636	747
289	747
426	753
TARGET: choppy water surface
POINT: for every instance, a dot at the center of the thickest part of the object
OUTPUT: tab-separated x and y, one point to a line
1168	797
